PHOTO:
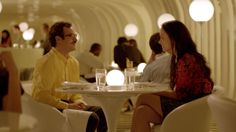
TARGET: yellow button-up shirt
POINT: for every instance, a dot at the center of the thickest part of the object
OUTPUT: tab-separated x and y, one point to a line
50	71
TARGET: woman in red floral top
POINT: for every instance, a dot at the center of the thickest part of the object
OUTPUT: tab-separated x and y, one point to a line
190	78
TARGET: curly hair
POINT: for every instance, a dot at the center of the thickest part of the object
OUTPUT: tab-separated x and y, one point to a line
57	30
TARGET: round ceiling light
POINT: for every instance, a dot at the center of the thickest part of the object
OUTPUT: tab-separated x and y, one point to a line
201	10
164	18
131	30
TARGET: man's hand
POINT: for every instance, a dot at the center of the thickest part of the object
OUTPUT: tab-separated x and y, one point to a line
77	106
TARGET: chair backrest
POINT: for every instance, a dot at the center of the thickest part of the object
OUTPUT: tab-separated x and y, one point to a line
217	89
224	112
49	118
193	116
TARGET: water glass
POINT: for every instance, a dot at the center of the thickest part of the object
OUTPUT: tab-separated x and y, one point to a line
101	78
130	78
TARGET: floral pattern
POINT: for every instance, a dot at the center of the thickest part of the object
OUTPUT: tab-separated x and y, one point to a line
191	82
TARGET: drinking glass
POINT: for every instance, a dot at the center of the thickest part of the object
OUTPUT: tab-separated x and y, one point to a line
101	78
129	78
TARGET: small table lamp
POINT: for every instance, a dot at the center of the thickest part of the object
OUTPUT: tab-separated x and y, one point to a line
115	78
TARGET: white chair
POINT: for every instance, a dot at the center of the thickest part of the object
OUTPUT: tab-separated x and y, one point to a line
193	116
51	119
223	112
217	89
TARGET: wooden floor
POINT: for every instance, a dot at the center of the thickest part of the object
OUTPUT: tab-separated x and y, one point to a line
126	117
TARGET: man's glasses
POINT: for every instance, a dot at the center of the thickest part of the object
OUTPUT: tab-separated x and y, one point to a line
71	35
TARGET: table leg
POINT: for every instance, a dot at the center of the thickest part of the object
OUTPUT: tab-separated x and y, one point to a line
111	107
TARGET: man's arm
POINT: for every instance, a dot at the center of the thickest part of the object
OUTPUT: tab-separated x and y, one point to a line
44	81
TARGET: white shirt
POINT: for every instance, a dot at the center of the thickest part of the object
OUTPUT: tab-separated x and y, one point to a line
88	63
158	71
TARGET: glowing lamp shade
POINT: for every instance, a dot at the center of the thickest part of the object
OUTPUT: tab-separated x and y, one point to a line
164	18
0	6
140	67
115	78
201	10
23	26
28	34
131	30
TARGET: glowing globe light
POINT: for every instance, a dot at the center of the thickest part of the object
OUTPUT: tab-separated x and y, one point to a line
131	30
201	10
115	78
32	30
23	26
164	18
28	34
140	67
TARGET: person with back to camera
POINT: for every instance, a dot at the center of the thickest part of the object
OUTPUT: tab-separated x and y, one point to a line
157	69
58	66
89	61
120	54
133	53
189	80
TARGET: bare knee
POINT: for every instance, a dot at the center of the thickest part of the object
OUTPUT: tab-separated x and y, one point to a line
142	98
147	114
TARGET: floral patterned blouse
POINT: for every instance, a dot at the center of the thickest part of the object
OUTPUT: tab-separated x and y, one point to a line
191	83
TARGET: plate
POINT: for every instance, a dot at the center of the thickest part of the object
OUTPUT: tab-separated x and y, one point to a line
76	85
151	86
116	88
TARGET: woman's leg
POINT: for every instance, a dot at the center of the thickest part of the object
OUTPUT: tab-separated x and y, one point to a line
142	117
150	100
148	109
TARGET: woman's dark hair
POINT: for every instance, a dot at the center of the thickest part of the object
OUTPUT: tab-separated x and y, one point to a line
7	37
57	30
154	43
181	39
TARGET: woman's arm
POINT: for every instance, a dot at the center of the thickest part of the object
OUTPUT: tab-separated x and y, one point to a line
12	101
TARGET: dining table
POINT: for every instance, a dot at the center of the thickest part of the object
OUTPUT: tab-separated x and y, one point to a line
111	98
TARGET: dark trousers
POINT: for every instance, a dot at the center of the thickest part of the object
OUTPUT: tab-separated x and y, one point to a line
96	120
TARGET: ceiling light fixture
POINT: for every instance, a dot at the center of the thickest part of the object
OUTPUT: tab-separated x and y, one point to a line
164	18
131	30
201	10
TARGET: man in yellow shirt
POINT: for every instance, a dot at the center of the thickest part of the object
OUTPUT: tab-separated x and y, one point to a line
58	66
